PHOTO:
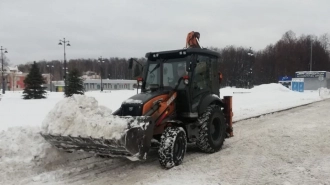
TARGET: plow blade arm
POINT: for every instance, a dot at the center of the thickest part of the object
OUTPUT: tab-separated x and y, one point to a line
134	143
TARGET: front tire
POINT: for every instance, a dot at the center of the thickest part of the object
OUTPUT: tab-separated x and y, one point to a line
173	146
212	132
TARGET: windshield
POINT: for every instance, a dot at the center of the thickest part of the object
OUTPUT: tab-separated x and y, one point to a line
173	69
153	76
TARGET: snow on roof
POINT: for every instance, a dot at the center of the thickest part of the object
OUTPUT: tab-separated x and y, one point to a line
13	68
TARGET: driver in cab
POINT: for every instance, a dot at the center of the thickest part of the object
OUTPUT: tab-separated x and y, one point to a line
180	72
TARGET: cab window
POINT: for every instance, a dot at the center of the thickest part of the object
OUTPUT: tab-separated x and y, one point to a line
202	73
173	71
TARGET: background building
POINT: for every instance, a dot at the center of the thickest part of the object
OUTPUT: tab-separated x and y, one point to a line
95	85
92	82
314	80
14	79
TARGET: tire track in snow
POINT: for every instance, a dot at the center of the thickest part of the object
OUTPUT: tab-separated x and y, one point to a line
272	149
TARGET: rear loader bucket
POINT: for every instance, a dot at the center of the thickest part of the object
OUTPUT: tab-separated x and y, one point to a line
133	144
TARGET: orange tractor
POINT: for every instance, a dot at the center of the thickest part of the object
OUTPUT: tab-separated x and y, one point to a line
179	103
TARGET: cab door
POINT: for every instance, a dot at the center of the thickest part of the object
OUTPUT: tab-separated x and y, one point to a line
172	72
201	84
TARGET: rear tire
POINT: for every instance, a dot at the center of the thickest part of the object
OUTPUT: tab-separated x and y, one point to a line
173	146
212	132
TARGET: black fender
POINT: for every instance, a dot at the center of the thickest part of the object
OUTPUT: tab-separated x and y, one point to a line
208	100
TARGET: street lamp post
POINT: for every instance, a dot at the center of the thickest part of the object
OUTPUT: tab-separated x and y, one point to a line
65	69
50	77
101	61
3	78
64	42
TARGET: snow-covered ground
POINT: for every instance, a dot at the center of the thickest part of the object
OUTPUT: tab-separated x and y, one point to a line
26	158
15	111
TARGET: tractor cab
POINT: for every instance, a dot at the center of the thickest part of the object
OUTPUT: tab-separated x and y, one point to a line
192	73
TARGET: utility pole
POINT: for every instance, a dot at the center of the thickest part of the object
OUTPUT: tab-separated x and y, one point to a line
3	78
64	42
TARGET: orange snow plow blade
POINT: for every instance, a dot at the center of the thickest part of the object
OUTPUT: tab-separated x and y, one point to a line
134	142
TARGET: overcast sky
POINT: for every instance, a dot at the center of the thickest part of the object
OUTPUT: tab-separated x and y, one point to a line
31	29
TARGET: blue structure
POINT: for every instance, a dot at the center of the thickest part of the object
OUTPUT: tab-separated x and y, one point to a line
285	78
297	84
285	81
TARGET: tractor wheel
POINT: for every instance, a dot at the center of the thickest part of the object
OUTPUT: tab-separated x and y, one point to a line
212	132
173	146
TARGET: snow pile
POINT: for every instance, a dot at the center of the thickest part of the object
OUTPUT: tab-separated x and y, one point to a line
233	90
265	99
264	89
272	87
25	145
81	115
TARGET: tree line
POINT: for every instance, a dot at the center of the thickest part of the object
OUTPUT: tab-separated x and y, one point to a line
284	58
240	66
112	68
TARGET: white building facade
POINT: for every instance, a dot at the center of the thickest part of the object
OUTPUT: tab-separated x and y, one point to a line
109	84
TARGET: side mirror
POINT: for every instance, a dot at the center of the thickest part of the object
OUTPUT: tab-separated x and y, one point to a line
130	63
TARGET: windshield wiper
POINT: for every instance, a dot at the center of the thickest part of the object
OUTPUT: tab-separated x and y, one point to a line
156	67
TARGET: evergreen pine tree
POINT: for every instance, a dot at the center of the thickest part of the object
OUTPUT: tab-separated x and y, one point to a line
75	84
33	84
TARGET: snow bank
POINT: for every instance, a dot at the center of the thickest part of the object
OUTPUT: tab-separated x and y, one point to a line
266	98
81	115
260	89
25	145
272	87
